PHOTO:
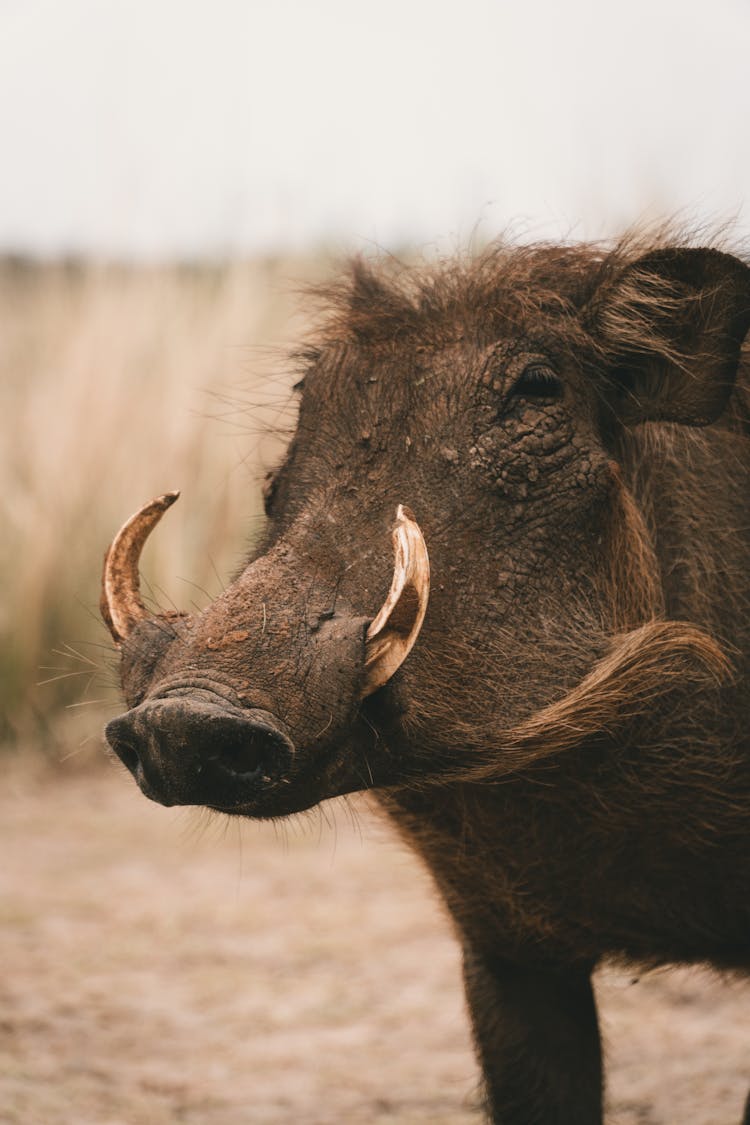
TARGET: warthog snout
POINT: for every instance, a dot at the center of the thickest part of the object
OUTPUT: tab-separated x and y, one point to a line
172	745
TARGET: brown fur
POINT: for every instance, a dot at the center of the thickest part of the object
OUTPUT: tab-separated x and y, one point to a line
641	666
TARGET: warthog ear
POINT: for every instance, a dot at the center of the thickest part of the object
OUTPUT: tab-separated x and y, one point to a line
672	325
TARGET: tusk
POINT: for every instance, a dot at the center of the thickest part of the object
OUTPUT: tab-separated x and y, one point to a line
120	603
391	635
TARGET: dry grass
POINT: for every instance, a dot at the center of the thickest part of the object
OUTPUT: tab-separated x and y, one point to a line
116	385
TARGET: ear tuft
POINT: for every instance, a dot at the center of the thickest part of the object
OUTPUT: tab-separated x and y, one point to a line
671	326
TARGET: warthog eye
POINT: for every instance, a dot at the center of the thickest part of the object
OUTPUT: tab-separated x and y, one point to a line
538	381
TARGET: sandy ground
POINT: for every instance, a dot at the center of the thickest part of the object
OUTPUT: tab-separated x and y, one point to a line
161	967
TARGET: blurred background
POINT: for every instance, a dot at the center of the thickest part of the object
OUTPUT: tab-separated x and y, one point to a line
173	173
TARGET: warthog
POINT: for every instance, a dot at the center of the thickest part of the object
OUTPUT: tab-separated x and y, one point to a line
554	708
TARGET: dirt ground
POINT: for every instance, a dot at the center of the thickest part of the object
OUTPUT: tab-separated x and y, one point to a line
162	967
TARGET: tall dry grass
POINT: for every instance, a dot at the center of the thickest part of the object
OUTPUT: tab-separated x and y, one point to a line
117	384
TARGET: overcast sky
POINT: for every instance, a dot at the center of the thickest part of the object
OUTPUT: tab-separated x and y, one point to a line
158	127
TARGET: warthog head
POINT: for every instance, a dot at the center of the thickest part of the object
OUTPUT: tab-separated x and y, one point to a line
200	731
473	413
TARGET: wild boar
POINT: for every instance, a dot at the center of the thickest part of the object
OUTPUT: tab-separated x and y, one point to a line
549	690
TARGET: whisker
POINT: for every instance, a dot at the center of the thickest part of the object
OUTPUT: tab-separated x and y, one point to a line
88	703
196	585
216	572
163	592
67	651
78	749
62	676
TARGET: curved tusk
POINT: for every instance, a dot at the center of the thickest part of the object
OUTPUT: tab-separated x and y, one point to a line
391	635
120	603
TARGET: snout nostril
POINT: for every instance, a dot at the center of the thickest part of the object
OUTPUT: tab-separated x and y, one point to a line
123	743
241	753
248	751
127	754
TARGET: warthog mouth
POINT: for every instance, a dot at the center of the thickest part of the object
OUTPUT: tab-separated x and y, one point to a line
191	750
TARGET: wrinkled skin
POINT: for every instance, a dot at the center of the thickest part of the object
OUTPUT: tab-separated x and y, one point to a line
566	745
